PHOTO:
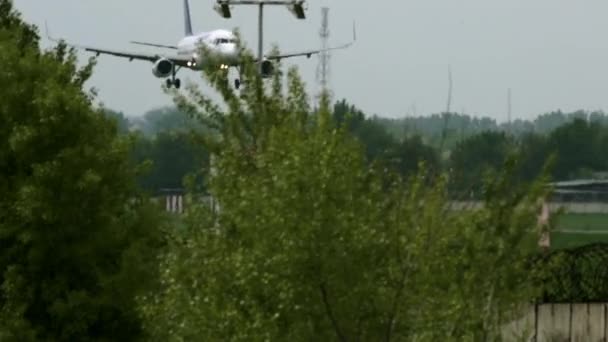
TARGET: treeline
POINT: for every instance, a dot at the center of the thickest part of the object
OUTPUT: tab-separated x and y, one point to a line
450	128
576	140
165	143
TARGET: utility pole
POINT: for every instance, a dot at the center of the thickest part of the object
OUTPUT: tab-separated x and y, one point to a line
449	105
446	115
509	128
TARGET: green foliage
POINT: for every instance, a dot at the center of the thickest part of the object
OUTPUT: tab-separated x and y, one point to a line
579	145
122	122
310	243
376	139
578	148
77	244
12	27
534	154
474	157
403	144
458	127
574	275
406	156
172	155
449	127
403	156
164	119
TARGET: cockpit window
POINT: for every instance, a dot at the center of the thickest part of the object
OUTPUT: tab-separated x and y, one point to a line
224	41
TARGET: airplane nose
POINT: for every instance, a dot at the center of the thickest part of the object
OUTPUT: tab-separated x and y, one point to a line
230	51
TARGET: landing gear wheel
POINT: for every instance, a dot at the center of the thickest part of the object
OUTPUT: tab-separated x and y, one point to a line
173	83
237	83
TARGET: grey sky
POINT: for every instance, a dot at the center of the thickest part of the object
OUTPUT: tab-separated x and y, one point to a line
552	53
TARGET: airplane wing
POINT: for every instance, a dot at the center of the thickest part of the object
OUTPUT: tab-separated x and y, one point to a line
307	53
151	57
313	52
155	45
182	61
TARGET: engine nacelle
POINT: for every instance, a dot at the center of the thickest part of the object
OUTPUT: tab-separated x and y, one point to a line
267	68
162	68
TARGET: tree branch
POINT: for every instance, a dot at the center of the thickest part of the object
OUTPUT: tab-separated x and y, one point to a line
394	309
333	320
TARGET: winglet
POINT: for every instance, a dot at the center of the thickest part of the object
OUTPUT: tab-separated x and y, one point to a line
47	32
354	37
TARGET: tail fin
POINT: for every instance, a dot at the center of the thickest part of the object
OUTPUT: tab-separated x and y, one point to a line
187	19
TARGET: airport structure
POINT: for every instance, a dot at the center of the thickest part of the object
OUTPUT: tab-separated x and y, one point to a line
582	190
296	7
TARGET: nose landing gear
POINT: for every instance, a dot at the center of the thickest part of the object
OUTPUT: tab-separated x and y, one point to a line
237	81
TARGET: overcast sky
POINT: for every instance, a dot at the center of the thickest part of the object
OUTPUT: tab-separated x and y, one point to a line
552	53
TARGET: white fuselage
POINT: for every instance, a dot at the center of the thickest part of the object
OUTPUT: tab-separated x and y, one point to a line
220	43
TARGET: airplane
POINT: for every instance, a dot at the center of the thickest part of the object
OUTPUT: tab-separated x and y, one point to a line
221	44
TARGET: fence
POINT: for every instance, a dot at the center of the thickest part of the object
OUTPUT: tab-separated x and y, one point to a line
569	207
173	199
586	322
572	304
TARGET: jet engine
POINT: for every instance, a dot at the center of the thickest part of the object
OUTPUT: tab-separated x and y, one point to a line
162	68
267	68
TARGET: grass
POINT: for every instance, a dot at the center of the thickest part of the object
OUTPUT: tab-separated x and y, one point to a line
582	222
574	230
561	240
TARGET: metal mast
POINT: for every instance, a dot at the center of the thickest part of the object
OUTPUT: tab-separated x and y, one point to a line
323	71
509	130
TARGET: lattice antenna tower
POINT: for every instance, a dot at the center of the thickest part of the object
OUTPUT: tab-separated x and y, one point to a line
323	71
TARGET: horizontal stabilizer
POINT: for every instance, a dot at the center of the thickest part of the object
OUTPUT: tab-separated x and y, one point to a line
155	45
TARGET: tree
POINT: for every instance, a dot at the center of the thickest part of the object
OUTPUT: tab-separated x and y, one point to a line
534	153
405	157
310	243
473	157
376	140
172	155
579	145
77	244
122	123
165	119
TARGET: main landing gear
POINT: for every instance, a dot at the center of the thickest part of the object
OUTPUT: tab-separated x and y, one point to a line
173	81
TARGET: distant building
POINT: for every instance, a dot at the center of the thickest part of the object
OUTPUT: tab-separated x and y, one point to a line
582	190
